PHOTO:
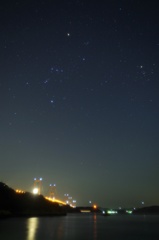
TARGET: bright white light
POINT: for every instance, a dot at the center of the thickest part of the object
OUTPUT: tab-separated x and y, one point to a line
35	190
112	212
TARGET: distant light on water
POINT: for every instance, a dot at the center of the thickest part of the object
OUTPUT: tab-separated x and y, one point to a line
112	212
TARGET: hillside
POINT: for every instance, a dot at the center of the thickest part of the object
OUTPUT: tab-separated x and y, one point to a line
147	210
26	204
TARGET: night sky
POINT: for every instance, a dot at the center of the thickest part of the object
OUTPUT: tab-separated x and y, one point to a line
79	98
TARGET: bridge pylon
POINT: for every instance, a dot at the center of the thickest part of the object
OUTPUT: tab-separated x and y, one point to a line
37	189
52	191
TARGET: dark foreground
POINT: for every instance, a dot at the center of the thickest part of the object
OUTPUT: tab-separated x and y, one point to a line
81	227
26	204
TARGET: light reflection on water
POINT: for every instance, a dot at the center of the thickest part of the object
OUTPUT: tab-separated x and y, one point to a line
81	227
94	227
32	225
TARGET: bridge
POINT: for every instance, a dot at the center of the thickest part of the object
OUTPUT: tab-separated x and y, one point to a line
52	193
47	198
55	200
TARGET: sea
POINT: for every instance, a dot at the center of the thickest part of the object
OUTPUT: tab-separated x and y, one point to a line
81	227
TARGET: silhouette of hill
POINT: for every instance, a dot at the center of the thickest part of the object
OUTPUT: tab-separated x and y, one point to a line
26	204
147	210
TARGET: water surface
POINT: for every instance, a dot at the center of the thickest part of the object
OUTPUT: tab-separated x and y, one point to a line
81	227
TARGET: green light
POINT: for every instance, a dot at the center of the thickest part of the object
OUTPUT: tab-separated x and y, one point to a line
112	212
128	211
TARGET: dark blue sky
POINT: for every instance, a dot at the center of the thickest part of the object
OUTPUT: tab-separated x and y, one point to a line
79	98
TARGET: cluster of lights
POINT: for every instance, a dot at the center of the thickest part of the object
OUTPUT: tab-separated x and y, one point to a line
111	212
19	191
69	200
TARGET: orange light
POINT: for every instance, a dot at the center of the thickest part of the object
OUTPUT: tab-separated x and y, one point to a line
55	200
19	191
94	206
